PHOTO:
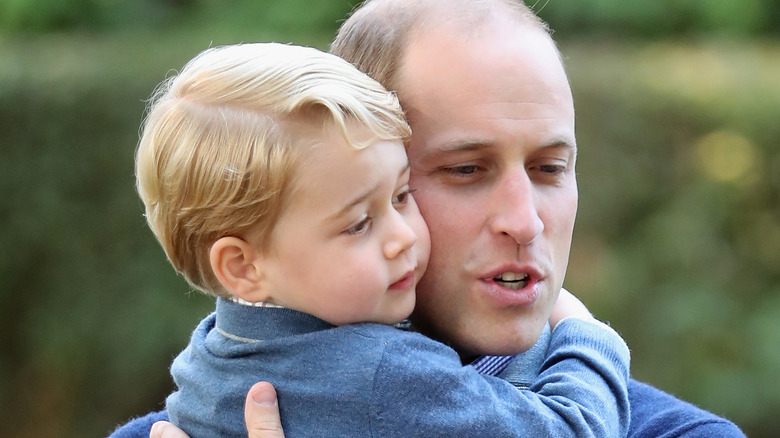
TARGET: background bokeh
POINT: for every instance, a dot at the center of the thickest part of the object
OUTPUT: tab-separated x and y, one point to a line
677	242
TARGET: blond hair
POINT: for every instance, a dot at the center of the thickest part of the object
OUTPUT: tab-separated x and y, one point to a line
376	35
217	155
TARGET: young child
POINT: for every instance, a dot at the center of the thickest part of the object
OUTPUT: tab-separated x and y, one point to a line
276	179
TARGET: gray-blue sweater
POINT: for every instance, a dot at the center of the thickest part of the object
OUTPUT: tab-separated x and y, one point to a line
372	380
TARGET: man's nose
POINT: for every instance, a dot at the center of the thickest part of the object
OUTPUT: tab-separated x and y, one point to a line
400	236
514	208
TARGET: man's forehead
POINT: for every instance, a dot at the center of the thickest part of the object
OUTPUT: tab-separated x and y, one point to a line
440	59
467	125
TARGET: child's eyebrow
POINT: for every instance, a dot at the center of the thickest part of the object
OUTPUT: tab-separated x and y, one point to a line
356	201
363	196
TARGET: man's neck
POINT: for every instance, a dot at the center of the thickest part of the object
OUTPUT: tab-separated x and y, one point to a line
521	370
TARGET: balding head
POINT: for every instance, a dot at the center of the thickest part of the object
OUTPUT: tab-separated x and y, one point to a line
376	35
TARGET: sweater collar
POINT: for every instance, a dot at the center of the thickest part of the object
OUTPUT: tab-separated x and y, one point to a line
251	324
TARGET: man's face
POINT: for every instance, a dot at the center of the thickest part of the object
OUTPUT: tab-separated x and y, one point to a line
492	156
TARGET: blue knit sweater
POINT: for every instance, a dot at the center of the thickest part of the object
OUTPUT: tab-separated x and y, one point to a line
653	412
367	380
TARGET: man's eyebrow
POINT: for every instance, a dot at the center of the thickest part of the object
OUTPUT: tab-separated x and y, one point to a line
453	147
462	145
467	145
561	142
360	198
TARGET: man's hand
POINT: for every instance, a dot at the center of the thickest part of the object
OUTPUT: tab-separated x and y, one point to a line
566	306
164	429
261	413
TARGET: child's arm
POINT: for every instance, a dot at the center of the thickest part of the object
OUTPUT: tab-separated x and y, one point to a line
578	358
568	306
581	390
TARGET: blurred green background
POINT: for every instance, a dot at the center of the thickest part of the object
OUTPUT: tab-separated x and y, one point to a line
677	242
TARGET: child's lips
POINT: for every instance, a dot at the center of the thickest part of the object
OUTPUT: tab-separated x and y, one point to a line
406	282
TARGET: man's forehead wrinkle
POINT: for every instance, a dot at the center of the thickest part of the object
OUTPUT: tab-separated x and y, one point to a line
523	104
451	147
464	144
469	144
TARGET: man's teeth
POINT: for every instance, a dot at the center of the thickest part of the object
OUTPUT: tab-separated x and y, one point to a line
512	280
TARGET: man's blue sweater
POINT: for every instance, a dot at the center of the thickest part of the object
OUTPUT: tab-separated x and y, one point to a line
653	414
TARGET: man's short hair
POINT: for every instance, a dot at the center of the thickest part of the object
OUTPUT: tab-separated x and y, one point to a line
376	35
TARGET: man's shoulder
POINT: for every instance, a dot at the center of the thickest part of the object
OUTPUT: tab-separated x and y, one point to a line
139	427
657	414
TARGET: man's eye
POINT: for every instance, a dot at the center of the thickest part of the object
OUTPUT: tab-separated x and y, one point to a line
552	168
462	170
360	227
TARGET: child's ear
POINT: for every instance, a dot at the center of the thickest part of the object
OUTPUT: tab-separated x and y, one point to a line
237	266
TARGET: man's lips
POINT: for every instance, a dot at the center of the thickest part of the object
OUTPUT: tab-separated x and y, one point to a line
406	282
513	285
514	277
512	280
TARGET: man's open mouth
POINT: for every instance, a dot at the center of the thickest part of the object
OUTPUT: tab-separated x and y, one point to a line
512	280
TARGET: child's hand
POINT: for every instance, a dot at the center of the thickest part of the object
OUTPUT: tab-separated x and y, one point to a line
568	306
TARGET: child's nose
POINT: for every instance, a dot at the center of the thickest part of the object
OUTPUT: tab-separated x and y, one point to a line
400	237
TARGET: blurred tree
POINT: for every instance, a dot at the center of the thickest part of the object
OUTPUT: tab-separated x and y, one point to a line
613	17
46	15
635	18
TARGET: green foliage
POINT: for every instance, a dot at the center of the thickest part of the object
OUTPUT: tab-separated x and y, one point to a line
45	16
82	281
281	17
627	17
678	236
661	17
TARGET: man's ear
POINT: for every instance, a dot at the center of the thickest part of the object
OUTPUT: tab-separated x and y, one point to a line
236	264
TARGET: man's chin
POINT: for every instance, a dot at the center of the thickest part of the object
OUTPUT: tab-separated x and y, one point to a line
470	346
473	339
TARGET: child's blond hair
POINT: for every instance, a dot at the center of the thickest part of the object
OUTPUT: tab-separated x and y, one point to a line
217	154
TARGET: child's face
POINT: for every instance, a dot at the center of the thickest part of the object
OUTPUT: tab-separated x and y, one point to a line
352	245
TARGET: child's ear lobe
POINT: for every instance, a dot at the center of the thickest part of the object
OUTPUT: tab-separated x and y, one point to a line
236	265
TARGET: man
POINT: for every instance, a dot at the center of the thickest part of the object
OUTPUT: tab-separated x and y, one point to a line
497	180
492	155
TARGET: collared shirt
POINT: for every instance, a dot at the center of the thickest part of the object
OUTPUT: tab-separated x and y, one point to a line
521	369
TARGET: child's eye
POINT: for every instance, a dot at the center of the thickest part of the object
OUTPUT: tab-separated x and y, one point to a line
402	198
360	227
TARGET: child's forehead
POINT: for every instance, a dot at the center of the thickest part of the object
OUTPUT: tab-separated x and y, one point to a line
333	157
328	151
324	127
331	151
